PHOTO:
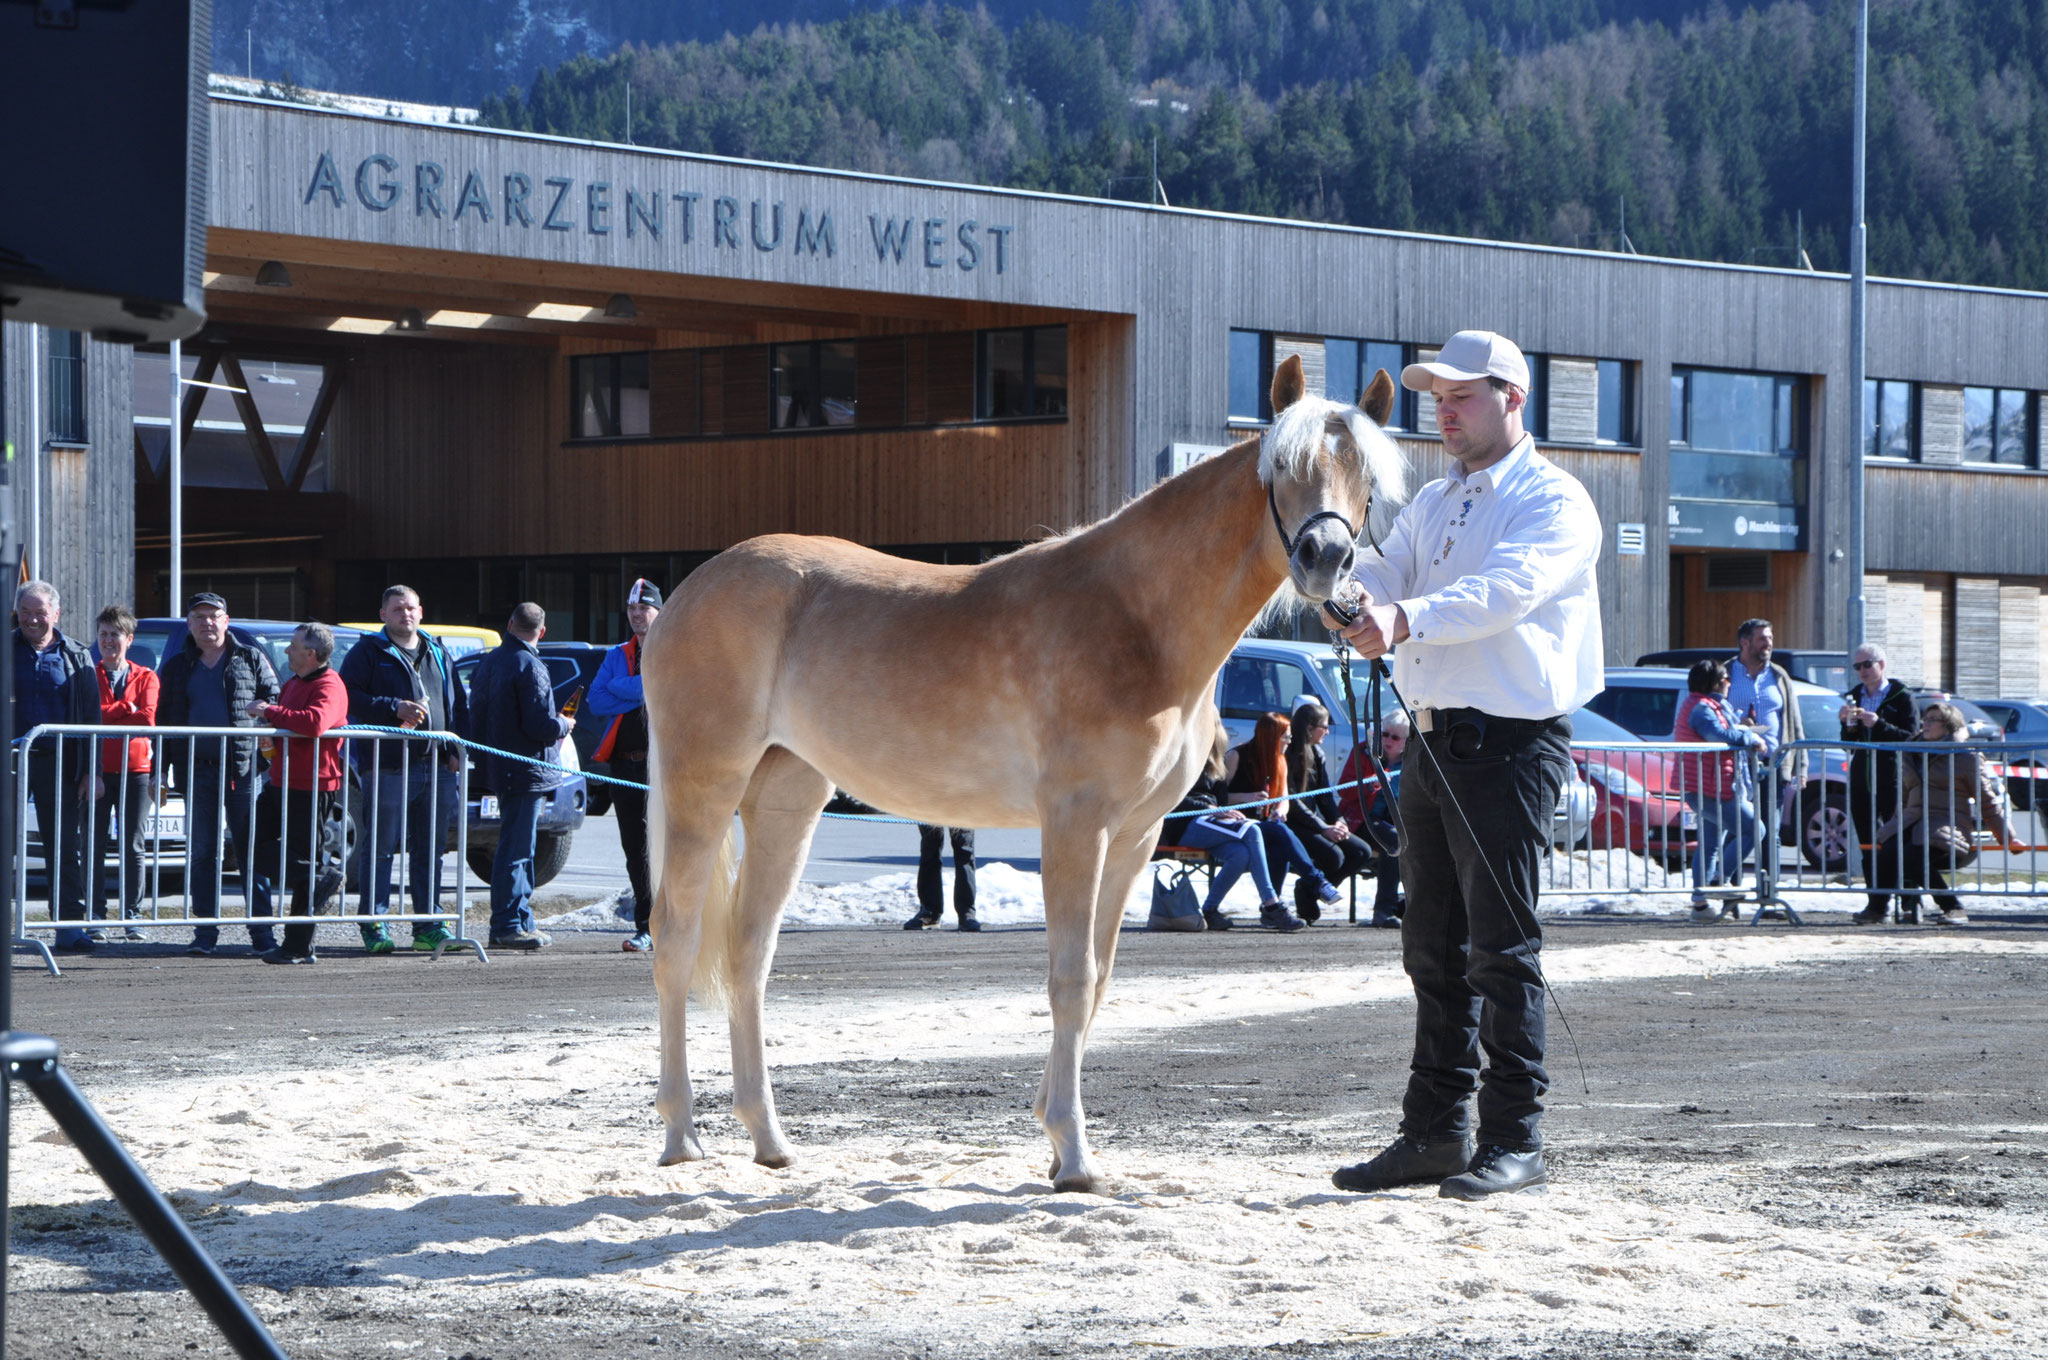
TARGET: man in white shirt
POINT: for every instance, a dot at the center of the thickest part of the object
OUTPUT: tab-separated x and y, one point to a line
1486	583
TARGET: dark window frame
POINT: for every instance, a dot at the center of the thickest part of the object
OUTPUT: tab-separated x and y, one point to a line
1630	435
1871	428
1403	420
1798	385
1265	384
64	379
818	394
2029	431
984	375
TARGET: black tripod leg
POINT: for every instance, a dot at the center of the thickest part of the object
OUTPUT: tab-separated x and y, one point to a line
33	1060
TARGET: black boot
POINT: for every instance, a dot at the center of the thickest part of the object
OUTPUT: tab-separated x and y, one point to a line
921	921
1406	1161
1497	1170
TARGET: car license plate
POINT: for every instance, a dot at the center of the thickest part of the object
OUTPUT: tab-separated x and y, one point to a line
164	828
1688	820
487	808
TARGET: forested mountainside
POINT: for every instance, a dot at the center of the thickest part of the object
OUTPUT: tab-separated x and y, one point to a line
1710	131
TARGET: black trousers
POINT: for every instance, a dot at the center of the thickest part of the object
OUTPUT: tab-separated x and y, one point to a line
1919	866
126	798
1873	797
1338	860
60	814
931	899
630	807
312	862
1470	938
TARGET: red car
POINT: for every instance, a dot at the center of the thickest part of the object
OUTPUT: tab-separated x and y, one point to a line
1636	804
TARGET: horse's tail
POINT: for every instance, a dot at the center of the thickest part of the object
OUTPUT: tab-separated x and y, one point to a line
715	922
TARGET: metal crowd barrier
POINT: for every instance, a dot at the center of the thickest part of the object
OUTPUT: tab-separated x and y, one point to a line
1833	819
80	805
1633	822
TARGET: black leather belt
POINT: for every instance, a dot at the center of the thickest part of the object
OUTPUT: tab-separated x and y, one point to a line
1444	719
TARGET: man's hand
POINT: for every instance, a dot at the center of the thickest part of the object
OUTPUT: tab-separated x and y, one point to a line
255	708
2014	845
568	724
1228	816
1378	629
411	714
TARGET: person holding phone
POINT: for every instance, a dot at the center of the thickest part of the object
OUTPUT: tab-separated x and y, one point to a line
1876	710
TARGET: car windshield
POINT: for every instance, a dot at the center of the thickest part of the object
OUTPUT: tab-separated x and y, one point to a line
1589	727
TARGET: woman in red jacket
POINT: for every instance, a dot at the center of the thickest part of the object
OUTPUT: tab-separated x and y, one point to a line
128	691
292	821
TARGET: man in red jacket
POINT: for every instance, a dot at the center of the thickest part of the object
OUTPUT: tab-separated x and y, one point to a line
292	821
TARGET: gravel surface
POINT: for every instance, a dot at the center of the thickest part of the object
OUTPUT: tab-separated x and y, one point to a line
1822	1142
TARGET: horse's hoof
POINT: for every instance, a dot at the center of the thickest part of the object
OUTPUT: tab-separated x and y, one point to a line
1078	1185
690	1151
775	1160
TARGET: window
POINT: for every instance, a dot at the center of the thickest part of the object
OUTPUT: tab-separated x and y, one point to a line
1737	412
1020	373
1252	685
1536	404
1890	419
1349	365
1997	426
608	396
1251	373
811	384
1617	423
67	387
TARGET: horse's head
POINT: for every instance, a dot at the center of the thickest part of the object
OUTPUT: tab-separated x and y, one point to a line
1330	473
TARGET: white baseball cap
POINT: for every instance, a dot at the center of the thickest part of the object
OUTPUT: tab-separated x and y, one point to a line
1470	355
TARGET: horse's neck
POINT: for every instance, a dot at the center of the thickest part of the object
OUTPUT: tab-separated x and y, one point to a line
1194	559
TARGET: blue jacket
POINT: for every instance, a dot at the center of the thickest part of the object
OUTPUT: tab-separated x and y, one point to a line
378	677
512	703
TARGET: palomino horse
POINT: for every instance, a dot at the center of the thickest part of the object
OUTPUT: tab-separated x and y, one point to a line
1066	686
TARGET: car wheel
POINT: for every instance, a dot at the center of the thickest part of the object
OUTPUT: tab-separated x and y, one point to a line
1825	831
550	855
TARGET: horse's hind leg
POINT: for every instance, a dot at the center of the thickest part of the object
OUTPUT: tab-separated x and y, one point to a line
780	814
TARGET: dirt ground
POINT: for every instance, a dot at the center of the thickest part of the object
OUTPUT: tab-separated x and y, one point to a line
1824	1142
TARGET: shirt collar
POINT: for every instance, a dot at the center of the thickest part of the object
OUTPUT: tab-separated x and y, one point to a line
1501	472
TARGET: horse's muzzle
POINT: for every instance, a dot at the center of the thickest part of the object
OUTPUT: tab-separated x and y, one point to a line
1323	557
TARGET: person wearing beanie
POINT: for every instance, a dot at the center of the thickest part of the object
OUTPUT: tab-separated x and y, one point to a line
616	694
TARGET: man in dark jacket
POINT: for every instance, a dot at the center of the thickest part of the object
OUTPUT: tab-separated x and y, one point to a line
211	682
401	677
52	677
1876	710
514	705
1314	816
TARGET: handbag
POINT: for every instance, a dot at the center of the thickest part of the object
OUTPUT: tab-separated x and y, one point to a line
1174	904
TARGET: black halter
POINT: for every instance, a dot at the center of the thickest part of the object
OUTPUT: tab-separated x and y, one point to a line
1290	544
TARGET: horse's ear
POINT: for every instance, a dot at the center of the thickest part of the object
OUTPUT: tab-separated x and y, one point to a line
1288	383
1378	401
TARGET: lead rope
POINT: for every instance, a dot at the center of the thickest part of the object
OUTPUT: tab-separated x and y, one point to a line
1344	613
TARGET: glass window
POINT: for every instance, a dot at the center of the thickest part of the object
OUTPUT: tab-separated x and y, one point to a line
1341	378
793	385
1679	434
1049	371
1536	405
1021	373
1251	685
1617	413
66	418
2014	427
1888	424
1739	477
1735	412
609	396
1996	426
1248	378
1002	376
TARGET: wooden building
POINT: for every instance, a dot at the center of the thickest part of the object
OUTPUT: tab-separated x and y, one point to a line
501	366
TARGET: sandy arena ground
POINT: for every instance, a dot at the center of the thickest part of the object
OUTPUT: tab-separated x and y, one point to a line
1817	1142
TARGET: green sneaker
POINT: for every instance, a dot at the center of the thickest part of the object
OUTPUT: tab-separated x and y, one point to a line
426	939
376	941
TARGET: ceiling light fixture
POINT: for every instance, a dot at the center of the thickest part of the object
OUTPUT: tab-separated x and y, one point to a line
411	320
359	325
468	321
273	274
621	308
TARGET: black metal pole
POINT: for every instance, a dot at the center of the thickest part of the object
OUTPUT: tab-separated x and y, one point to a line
9	573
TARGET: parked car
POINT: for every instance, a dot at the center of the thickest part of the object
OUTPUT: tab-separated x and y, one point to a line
1635	804
1829	670
590	727
560	816
2026	724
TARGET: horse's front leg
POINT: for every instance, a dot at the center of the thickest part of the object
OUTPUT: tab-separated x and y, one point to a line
1073	847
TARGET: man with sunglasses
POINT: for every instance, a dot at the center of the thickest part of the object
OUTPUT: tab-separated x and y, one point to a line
1876	710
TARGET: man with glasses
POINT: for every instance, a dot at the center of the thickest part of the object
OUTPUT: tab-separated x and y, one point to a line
1362	805
1876	710
53	683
